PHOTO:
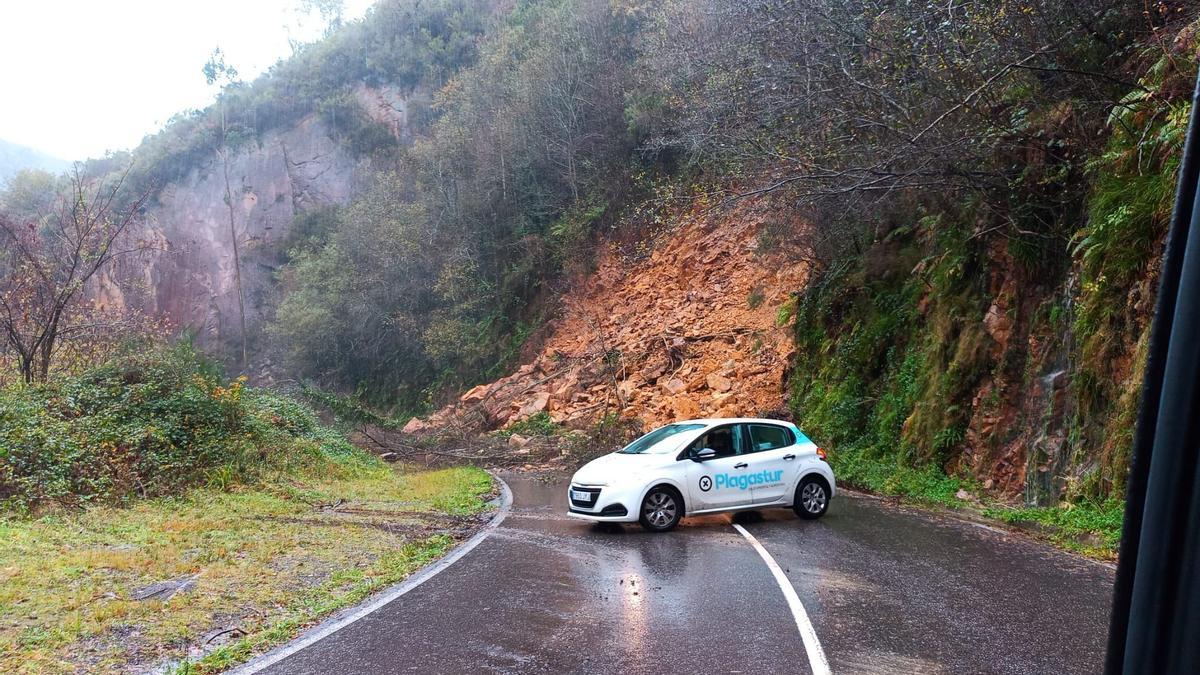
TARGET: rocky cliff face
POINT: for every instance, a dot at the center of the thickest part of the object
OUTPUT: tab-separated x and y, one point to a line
192	282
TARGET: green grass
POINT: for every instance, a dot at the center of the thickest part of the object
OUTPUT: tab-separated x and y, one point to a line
887	476
271	559
154	467
1090	528
342	591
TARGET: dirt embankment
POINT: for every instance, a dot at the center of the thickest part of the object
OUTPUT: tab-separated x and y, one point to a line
689	330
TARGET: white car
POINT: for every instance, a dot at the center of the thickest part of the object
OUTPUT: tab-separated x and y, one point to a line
704	466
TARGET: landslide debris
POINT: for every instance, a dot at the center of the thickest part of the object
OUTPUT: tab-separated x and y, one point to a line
688	331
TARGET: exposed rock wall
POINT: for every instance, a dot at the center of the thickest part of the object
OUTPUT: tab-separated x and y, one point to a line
193	283
388	106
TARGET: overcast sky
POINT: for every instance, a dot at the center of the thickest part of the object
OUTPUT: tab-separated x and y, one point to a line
79	77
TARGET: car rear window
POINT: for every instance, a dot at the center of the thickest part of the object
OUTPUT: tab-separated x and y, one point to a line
769	437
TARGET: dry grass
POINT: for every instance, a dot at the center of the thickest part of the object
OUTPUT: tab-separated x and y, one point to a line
266	562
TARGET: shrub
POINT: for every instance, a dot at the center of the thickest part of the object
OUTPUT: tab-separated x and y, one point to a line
146	425
756	298
537	424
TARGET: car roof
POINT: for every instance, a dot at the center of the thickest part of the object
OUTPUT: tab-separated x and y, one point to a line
713	421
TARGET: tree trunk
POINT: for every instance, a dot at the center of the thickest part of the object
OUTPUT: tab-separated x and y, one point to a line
237	260
45	351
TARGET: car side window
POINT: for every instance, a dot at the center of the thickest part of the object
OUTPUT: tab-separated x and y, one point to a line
765	437
724	440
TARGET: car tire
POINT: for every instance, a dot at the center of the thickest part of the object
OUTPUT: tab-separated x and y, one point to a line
661	509
812	498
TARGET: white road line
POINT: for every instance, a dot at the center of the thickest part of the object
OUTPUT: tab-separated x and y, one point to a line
324	630
816	655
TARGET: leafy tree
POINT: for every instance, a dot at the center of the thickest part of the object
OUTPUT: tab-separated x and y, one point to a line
856	106
429	278
353	308
49	258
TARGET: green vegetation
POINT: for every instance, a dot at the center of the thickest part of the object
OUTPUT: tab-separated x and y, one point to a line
917	355
876	374
152	467
149	424
884	475
1084	526
426	281
1091	528
1132	191
268	559
348	409
537	424
887	370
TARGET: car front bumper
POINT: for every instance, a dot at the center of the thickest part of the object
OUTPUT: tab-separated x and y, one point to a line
609	504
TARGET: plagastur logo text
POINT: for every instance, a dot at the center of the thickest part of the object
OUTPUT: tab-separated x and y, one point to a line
743	481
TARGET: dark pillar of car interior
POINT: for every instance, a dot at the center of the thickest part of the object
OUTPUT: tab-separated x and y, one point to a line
1155	626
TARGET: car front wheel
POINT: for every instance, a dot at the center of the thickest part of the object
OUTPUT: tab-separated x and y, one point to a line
812	498
661	510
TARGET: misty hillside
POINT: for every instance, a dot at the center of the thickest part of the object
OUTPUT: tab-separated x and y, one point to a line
285	352
943	266
14	158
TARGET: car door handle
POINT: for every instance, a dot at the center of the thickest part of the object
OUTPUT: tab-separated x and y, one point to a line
740	465
789	456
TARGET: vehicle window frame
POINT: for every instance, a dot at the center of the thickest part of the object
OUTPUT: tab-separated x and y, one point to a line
740	438
749	435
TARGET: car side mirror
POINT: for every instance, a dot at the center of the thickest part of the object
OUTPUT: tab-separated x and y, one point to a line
703	454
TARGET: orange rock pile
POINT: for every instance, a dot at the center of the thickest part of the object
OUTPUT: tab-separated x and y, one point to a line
688	332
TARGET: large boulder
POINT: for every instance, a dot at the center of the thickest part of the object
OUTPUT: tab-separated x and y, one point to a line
718	382
684	408
674	386
476	394
415	426
540	400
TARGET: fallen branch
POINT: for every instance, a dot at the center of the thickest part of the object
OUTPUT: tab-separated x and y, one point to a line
227	631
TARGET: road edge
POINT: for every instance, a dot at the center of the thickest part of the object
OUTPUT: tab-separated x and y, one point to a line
387	596
970	514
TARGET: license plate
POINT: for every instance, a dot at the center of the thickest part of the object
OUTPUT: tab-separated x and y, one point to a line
581	496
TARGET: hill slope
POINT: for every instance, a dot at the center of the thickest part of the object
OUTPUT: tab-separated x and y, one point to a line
688	330
14	158
949	250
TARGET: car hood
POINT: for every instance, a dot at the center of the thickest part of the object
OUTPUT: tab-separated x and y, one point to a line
616	466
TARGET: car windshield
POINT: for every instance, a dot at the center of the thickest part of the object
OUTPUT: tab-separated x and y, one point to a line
660	441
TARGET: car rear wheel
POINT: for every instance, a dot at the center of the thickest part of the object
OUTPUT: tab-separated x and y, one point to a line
812	498
661	509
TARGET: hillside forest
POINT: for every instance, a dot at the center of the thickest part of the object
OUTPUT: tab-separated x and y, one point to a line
939	227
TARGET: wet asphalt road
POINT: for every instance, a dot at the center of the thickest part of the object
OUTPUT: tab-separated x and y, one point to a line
888	590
